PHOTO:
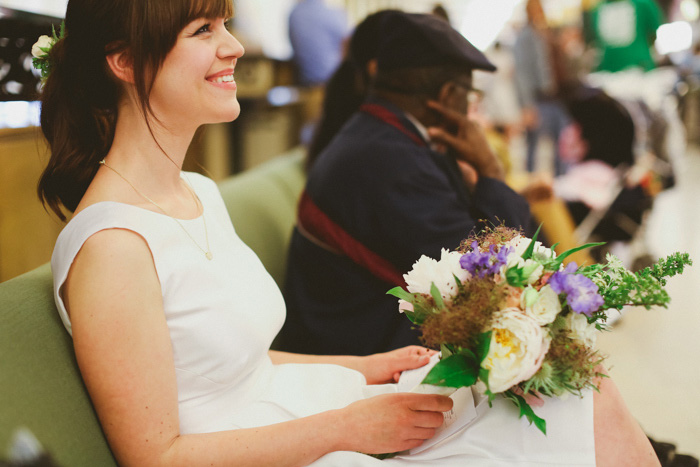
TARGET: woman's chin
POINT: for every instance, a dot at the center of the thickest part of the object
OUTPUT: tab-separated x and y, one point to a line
228	114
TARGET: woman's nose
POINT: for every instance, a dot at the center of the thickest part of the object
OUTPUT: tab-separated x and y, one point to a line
230	47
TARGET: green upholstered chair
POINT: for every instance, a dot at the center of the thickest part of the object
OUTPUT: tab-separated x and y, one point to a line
262	203
40	384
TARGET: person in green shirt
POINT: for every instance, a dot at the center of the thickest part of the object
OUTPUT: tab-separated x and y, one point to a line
624	31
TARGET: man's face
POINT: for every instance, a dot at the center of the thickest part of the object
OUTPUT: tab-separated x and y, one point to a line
461	94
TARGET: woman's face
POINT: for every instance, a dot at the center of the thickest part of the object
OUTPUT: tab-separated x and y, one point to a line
195	84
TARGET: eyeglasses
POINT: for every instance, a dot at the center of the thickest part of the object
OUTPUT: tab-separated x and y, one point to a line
474	95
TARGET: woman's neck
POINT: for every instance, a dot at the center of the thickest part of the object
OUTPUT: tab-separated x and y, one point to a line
152	155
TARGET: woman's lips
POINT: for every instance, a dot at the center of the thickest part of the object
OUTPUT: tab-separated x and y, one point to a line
223	79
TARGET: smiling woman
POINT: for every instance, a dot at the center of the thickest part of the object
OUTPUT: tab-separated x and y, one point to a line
197	75
172	315
82	87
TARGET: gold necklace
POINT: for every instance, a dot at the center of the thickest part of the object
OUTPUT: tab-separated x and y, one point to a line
207	252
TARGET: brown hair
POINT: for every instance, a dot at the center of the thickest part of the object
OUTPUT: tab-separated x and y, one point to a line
80	96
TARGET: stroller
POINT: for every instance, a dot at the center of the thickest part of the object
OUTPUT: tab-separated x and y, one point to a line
618	165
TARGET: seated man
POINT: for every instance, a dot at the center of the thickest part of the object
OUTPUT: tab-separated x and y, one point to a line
407	175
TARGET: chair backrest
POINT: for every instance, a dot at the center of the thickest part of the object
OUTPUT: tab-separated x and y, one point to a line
40	384
262	204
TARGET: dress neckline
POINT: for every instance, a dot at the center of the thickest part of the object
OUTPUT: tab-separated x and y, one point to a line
119	203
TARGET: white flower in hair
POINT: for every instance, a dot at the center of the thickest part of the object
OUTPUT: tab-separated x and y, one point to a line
42	46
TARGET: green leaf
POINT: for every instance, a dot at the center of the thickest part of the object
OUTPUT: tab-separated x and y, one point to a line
420	311
526	410
455	371
554	265
400	293
531	247
435	292
446	350
483	343
460	286
515	276
484	378
61	33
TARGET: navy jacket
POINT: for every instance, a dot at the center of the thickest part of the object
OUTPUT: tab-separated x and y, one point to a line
388	199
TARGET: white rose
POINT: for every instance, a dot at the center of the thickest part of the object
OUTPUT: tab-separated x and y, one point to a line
44	42
442	273
579	329
518	347
521	243
542	306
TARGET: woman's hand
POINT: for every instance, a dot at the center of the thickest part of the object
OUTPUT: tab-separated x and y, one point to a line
387	367
392	422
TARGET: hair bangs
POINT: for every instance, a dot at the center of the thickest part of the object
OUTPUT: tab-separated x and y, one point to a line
209	9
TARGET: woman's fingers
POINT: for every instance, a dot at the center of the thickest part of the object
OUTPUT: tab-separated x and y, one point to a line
395	422
421	434
429	402
429	419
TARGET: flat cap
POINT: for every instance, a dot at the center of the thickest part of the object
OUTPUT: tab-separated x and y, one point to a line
418	40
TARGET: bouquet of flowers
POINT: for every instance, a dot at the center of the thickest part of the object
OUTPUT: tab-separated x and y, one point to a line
510	317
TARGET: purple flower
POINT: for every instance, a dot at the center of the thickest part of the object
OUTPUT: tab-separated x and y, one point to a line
581	293
482	264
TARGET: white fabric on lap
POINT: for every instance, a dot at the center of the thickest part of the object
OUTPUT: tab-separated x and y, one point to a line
223	315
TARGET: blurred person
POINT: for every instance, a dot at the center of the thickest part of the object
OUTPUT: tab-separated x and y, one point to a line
499	103
623	32
601	149
543	112
407	175
349	85
317	33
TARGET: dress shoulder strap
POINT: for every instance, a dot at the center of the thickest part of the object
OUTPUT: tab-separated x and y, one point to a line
100	216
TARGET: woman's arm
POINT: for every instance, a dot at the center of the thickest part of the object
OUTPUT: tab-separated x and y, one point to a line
619	440
124	351
378	368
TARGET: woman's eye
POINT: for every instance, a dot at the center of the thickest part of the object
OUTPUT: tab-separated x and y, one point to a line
203	29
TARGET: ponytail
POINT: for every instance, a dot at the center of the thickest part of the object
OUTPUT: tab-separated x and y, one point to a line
78	116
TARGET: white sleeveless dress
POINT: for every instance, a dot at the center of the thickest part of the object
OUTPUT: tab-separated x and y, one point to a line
223	315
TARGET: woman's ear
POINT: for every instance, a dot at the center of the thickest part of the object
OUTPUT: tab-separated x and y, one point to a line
121	65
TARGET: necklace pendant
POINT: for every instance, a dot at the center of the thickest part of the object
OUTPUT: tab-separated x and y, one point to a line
209	255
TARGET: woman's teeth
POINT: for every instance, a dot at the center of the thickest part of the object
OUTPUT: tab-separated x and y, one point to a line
223	79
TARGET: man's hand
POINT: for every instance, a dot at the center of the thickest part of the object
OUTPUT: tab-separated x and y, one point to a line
468	141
